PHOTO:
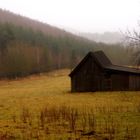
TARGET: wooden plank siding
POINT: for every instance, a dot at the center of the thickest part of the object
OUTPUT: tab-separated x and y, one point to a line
120	82
134	82
88	78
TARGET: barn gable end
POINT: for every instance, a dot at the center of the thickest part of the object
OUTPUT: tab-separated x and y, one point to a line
96	73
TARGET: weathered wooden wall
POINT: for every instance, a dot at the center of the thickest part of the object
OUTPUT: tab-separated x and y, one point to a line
88	78
134	82
120	82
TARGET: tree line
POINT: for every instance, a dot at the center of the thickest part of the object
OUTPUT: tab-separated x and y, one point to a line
24	51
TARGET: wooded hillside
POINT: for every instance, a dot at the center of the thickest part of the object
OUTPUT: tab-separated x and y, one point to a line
28	46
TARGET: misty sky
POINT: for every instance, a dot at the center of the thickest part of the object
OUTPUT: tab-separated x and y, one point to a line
81	15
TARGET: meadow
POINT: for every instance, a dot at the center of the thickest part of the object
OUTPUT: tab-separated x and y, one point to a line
41	107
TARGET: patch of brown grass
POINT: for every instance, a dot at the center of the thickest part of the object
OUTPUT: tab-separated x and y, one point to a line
26	104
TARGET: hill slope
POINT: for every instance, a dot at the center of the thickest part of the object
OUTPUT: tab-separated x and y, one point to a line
6	16
28	46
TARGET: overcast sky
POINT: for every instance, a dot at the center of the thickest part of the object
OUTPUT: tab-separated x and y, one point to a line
81	15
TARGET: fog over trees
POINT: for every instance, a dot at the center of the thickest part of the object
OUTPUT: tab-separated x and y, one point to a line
28	46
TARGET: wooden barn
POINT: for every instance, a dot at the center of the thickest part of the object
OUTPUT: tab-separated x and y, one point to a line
96	73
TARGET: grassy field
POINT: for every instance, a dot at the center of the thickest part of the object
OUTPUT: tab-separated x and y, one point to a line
42	108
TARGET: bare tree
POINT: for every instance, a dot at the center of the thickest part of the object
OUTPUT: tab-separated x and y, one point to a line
133	41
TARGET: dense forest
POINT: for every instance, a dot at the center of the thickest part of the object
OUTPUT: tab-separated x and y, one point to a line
28	46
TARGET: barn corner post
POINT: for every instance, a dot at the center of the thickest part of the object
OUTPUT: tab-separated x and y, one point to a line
71	83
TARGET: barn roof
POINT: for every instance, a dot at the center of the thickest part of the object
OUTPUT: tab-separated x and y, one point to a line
105	63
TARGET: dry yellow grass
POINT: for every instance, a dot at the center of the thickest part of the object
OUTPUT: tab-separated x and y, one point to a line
53	89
